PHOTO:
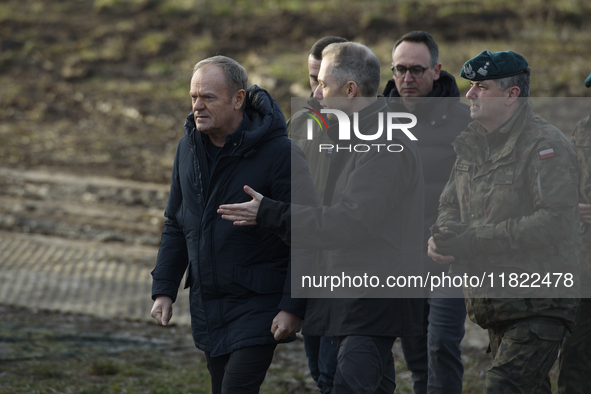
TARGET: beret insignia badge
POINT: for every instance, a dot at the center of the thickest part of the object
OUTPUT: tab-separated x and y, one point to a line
483	70
469	72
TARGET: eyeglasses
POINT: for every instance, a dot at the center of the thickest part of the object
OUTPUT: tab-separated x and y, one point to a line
415	71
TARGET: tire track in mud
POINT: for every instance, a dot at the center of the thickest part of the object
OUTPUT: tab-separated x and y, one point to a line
80	244
87	245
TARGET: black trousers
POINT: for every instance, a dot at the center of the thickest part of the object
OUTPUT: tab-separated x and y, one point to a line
365	366
240	372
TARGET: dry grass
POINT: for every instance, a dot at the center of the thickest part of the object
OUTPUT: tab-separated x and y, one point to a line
100	87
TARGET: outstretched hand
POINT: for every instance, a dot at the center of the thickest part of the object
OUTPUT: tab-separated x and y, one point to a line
243	214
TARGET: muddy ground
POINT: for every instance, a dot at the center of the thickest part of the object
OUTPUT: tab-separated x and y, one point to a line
93	96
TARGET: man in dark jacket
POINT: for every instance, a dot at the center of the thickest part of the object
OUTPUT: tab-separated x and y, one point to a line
421	87
238	277
318	161
320	351
369	221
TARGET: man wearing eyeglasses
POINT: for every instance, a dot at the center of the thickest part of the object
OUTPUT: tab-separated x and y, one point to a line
432	95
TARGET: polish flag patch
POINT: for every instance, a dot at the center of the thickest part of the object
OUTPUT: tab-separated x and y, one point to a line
546	153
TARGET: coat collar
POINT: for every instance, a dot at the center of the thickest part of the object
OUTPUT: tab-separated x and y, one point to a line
367	120
266	122
500	142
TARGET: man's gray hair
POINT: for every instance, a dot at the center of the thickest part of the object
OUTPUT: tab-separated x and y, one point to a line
520	80
236	77
355	62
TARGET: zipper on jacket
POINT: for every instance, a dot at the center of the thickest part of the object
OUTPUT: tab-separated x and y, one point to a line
539	183
198	179
221	181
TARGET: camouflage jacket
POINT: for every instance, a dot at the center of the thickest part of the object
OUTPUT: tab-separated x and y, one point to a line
517	186
581	138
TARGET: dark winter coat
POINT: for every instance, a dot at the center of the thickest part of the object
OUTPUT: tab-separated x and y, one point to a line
238	276
439	122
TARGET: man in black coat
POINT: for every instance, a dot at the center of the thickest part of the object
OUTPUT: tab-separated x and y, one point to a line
421	87
239	278
371	221
320	351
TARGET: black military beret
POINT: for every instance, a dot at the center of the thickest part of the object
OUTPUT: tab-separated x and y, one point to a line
588	81
489	65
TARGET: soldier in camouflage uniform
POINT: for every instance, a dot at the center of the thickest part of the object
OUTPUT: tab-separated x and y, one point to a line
510	206
575	355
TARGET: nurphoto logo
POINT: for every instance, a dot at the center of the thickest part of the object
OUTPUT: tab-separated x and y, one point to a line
344	132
